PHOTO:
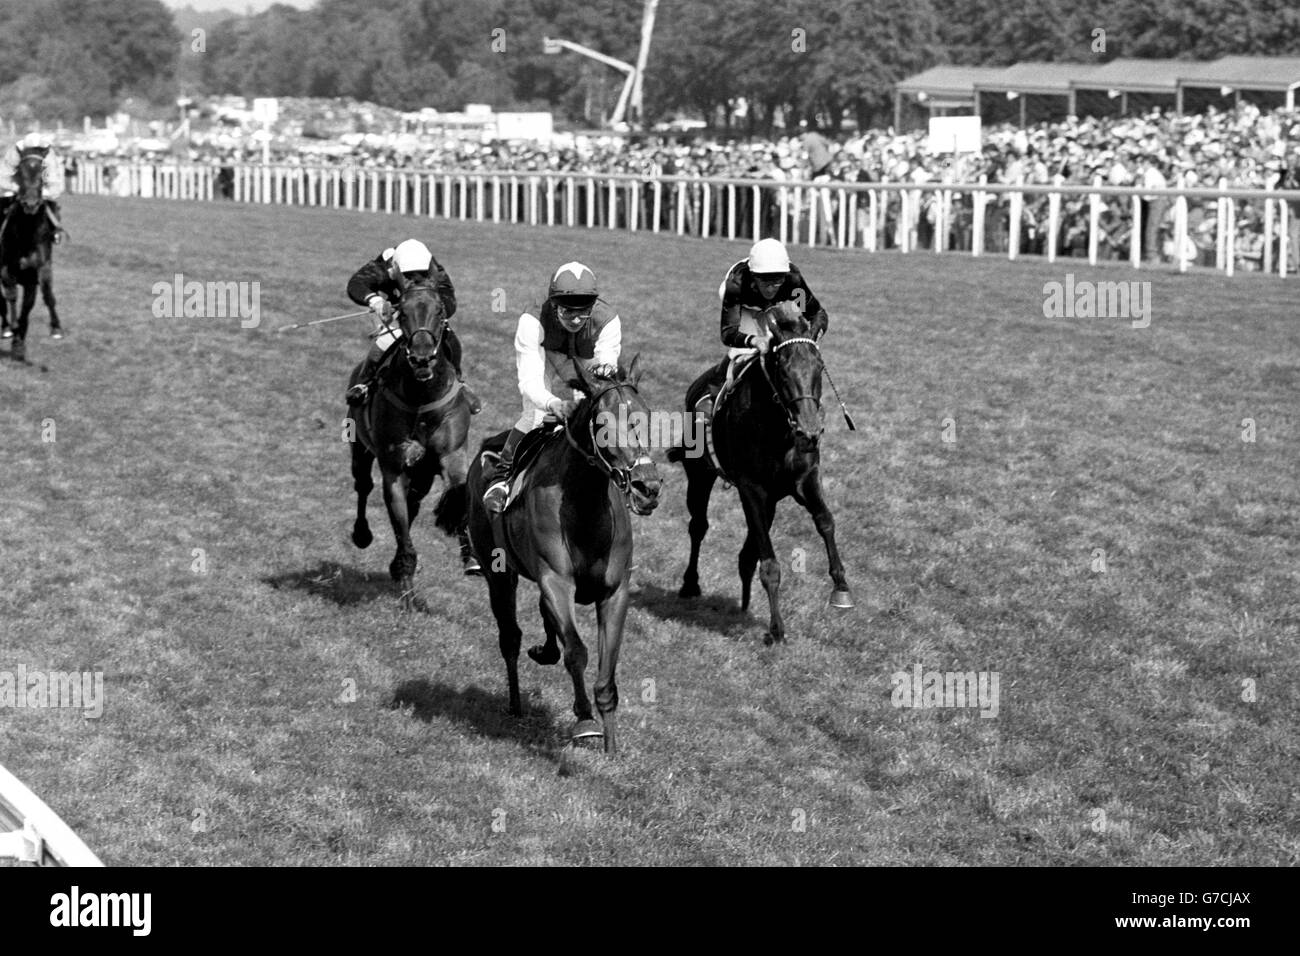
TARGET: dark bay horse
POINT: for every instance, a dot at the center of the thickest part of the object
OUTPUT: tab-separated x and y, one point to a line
767	437
415	423
568	530
27	253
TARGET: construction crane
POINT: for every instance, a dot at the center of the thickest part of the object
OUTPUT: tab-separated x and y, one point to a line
629	100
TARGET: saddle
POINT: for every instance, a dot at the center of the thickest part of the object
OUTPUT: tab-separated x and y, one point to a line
743	364
526	452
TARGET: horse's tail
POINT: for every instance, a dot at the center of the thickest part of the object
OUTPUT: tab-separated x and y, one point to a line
452	508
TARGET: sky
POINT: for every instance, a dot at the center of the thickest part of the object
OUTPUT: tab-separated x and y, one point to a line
238	6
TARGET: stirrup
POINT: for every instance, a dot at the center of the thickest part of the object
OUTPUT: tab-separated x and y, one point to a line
475	404
494	499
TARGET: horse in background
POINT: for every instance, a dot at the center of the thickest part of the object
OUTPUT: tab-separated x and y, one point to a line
766	435
27	253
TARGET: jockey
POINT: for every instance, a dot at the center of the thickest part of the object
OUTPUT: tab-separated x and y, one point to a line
52	177
377	285
752	285
573	321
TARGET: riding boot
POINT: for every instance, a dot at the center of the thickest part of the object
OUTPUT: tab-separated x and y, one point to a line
494	499
454	353
365	378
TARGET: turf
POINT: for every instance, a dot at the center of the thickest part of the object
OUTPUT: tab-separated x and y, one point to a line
267	702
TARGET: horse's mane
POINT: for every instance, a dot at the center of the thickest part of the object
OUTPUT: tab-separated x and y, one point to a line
790	321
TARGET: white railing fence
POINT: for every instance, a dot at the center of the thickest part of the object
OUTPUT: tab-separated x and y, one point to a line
1227	229
31	832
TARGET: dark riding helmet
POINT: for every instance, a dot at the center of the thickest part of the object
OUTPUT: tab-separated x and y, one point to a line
573	291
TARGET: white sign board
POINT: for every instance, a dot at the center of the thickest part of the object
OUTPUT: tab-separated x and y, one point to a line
954	134
266	110
534	126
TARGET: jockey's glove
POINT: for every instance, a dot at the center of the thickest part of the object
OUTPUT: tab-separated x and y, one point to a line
561	407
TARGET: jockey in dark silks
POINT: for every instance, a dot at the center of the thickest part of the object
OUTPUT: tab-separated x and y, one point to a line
378	286
53	180
752	285
573	324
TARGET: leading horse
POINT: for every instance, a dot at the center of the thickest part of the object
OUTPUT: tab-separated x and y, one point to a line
27	253
415	423
766	434
567	528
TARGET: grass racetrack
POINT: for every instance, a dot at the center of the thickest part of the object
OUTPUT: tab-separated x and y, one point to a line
278	708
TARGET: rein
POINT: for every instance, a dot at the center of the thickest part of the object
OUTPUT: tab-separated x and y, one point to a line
848	419
622	477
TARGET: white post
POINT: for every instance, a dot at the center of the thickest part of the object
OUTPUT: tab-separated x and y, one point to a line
978	198
731	210
570	204
704	212
1267	263
1231	243
550	200
757	211
1221	231
496	198
463	184
1053	224
1180	232
658	203
633	204
1135	237
1283	239
532	200
1094	223
681	208
1013	238
478	198
873	219
784	231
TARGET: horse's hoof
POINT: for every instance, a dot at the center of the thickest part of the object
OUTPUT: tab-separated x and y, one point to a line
362	537
585	730
544	653
472	568
7	334
841	599
689	591
56	333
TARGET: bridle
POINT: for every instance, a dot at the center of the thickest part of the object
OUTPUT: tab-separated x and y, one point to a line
438	333
620	475
787	408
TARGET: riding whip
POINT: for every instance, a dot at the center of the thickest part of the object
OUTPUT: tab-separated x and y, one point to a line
332	318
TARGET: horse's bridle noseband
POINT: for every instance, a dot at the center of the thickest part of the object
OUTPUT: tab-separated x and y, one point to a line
621	476
776	396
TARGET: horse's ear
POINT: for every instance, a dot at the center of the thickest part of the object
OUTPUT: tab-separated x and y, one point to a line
772	326
634	370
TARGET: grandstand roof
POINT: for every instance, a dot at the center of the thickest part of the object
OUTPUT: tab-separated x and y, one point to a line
1278	73
948	81
1042	78
1139	76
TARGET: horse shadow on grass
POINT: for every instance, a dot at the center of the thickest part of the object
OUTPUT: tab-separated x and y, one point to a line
339	583
714	612
483	712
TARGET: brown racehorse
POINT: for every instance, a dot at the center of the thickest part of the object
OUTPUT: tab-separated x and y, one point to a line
767	437
568	529
27	253
415	423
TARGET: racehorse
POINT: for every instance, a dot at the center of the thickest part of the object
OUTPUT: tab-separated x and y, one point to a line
415	422
27	253
766	434
567	528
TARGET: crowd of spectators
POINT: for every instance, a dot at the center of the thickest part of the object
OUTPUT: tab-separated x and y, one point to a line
1244	148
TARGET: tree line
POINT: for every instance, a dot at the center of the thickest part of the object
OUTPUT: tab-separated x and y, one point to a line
746	60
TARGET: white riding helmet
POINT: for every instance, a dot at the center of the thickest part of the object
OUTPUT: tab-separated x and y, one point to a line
412	256
768	257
